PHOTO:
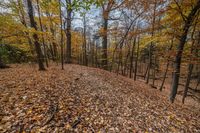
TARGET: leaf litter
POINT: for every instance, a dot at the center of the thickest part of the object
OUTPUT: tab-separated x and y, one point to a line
83	99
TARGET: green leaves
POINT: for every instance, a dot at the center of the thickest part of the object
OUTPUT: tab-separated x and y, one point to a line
84	4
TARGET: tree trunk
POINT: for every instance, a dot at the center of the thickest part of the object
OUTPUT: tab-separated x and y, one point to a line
61	34
154	72
136	60
68	31
35	37
104	45
131	59
125	63
150	64
85	61
151	45
41	28
177	63
190	68
167	67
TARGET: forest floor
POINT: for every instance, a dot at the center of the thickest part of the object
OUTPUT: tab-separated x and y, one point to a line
83	99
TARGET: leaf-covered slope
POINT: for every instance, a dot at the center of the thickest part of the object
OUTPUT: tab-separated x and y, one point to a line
86	99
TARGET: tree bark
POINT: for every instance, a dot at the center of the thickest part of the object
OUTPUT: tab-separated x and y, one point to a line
68	31
35	37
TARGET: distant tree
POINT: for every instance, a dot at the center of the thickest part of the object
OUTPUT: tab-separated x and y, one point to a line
61	34
41	29
107	7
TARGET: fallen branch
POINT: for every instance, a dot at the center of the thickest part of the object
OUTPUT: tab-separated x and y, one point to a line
76	122
52	109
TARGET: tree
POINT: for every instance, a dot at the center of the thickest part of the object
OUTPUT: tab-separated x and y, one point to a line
61	34
85	60
68	31
188	20
35	36
106	9
41	28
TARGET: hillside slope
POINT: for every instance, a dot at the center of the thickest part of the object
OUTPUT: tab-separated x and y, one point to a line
86	99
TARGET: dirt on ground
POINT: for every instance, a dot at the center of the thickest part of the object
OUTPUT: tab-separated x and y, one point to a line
83	99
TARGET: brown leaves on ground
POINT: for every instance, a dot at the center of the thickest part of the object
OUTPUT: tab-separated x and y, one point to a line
82	99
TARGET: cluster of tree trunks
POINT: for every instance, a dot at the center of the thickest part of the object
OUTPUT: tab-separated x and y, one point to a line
177	63
125	67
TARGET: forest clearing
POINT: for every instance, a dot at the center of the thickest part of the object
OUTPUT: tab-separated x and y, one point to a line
99	66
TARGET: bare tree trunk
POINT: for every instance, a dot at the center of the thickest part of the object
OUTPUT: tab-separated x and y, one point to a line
165	75
119	61
154	72
125	63
35	37
177	63
145	74
41	28
53	45
167	67
190	66
85	61
131	59
151	45
61	34
68	32
136	60
105	28
150	64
